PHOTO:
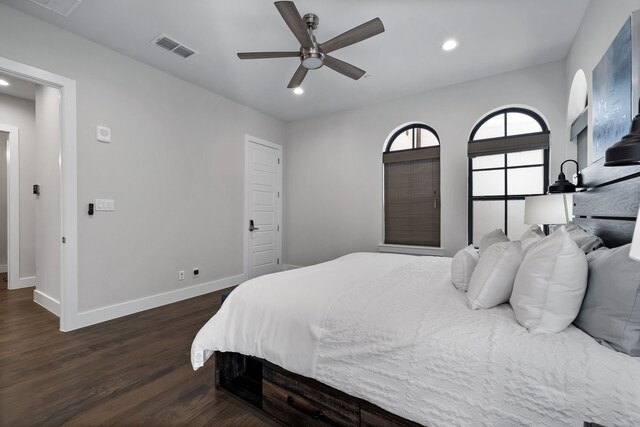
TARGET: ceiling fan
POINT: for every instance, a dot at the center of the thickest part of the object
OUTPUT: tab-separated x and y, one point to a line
313	55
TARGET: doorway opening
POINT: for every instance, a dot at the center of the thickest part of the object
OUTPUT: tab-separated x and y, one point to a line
56	277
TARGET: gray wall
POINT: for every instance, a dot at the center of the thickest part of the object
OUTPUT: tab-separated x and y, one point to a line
175	166
48	229
21	113
333	172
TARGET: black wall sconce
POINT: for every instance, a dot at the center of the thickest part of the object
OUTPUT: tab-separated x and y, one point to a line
36	189
626	152
562	185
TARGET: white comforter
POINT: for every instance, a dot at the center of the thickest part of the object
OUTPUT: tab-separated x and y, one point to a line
393	330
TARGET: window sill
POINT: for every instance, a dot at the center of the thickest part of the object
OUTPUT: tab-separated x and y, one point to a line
410	250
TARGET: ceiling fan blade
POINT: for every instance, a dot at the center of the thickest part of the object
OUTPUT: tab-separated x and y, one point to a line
298	77
266	55
343	68
354	35
293	19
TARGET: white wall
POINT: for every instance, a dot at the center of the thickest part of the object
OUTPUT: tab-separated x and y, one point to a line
174	166
602	21
48	228
333	172
3	204
20	113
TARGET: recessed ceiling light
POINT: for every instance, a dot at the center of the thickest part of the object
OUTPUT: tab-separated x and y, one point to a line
298	91
450	44
4	83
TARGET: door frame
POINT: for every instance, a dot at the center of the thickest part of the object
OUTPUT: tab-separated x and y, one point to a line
69	319
248	140
13	206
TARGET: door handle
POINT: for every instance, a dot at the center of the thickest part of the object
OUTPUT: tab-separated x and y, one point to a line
251	226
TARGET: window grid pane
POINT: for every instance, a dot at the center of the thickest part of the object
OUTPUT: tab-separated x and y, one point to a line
426	138
488	183
487	215
519	124
525	181
486	162
404	141
492	128
521	158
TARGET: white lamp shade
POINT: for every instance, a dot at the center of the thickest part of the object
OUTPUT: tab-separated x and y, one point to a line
635	244
548	209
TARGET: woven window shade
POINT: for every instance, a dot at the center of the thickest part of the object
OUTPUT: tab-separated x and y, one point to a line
412	205
510	144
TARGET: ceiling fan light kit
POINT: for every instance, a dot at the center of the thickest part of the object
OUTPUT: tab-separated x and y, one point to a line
313	55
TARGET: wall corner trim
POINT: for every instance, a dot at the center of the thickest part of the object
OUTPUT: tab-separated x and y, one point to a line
103	314
44	300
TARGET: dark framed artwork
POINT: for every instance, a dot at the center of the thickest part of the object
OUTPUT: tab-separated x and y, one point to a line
612	91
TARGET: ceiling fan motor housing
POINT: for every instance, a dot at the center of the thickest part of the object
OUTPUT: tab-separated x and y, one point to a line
312	58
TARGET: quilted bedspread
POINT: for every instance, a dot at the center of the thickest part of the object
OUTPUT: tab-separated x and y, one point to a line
398	334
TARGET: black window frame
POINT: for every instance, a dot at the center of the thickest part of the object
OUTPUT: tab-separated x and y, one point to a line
403	129
505	197
425	150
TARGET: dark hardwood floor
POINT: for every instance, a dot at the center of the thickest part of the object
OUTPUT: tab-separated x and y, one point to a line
130	371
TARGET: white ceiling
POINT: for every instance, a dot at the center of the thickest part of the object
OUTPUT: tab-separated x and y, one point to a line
495	36
18	87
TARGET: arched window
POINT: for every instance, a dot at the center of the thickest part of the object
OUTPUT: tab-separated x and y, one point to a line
412	187
508	160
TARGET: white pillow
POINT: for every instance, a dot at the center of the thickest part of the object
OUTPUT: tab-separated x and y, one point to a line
529	238
492	281
462	266
492	237
585	241
550	284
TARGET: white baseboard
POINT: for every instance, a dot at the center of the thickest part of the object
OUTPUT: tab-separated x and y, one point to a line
47	302
25	282
4	268
290	267
98	315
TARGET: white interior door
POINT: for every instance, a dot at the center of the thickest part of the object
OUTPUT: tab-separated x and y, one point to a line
263	199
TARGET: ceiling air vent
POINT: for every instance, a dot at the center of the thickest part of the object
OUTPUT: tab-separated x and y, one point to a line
174	46
61	7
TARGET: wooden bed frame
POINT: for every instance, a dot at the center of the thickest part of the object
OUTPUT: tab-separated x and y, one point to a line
607	207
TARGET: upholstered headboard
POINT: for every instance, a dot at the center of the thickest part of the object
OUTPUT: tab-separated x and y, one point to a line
609	204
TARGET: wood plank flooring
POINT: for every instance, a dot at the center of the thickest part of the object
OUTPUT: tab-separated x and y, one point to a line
130	371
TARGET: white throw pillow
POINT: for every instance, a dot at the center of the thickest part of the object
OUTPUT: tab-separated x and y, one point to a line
462	266
529	238
491	238
550	284
492	281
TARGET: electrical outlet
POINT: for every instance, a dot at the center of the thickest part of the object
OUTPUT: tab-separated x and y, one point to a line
196	272
181	275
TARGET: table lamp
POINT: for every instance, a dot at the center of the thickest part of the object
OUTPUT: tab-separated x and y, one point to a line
548	209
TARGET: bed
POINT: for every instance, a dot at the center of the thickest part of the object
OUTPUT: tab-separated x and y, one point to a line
371	339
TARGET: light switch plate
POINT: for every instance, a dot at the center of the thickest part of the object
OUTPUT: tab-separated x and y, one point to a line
105	205
103	134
